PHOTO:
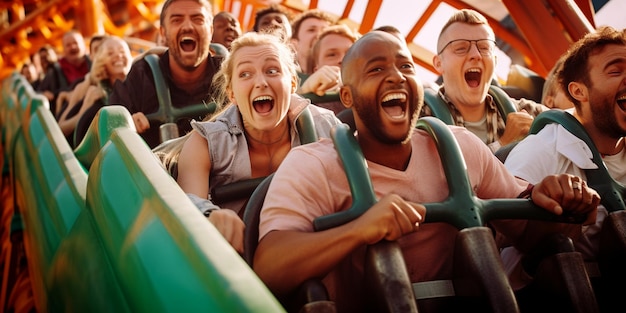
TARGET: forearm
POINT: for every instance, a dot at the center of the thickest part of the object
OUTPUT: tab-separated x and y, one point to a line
68	125
285	259
79	91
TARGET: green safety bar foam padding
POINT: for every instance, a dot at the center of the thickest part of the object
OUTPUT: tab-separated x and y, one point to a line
167	113
100	130
438	107
355	166
441	110
462	209
503	101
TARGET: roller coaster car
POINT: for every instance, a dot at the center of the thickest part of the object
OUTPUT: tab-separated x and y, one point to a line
610	284
479	281
102	234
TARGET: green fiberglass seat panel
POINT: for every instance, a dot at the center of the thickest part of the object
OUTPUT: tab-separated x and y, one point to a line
166	256
81	277
50	188
10	111
59	177
53	184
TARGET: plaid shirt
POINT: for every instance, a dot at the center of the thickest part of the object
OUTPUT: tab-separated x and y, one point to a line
495	123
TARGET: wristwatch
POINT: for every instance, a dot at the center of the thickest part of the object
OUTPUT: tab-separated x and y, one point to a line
208	211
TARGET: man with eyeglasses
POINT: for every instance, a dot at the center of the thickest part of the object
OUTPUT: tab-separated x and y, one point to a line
466	60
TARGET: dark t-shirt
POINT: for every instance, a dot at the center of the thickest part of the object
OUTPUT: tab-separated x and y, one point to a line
138	94
56	80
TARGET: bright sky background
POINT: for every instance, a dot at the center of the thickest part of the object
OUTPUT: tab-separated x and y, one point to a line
392	11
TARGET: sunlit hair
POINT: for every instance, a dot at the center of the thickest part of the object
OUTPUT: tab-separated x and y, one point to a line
341	30
551	85
102	57
317	14
223	78
204	3
576	67
466	16
273	8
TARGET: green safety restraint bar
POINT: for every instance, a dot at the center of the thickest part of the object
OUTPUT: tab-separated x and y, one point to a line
611	191
462	209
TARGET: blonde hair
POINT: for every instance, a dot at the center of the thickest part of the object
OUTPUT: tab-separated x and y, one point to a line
223	78
98	68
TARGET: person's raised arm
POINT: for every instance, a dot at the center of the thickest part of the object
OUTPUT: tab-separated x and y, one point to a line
327	78
285	259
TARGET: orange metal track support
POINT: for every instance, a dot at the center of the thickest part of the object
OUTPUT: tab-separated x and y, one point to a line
548	33
47	23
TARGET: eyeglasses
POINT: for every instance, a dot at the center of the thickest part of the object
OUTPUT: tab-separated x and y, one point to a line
462	46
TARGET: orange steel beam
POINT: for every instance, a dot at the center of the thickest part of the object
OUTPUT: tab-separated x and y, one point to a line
46	24
422	20
30	20
347	9
586	7
575	22
87	18
543	32
369	17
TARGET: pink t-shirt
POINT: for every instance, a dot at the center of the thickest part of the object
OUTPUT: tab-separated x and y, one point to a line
311	182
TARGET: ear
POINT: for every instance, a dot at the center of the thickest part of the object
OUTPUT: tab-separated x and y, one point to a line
162	31
294	83
437	63
231	96
579	91
345	94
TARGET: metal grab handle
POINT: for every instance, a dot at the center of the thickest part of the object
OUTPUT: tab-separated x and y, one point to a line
461	209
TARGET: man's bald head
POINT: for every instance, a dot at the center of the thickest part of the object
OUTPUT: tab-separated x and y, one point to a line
356	50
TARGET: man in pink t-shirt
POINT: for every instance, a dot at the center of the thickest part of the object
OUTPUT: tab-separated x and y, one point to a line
382	89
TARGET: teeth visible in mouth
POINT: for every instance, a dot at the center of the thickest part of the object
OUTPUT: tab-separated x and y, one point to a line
263	98
622	98
394	96
187	38
473	70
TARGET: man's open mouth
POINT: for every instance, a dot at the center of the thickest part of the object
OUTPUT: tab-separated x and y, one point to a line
473	76
394	104
187	44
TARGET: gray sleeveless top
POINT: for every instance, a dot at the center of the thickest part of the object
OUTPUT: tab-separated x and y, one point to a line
230	159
